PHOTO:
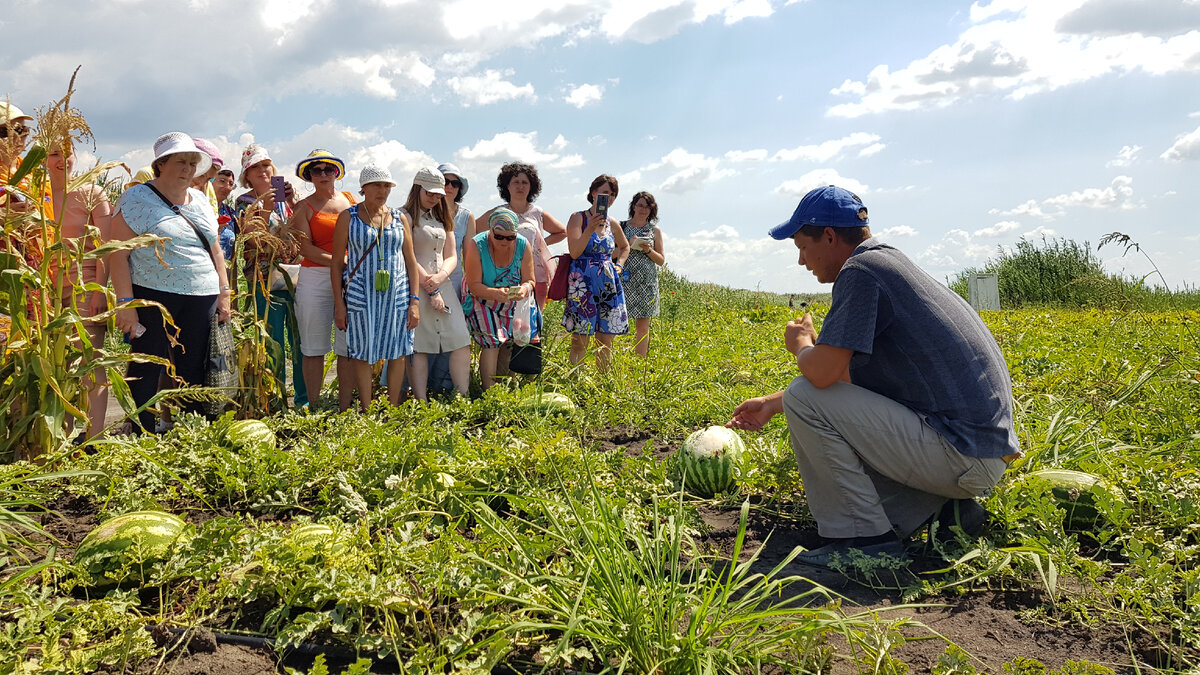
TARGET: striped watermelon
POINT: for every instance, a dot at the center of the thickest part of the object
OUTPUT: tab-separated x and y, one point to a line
134	539
1075	492
250	434
708	460
546	403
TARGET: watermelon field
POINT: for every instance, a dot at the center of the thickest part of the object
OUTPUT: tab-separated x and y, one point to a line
513	534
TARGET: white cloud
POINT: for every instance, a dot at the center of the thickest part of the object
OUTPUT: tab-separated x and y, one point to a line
508	146
1118	195
746	155
1125	157
746	9
1185	147
685	171
998	229
897	232
490	87
585	94
721	255
827	150
568	162
1023	47
1029	208
819	178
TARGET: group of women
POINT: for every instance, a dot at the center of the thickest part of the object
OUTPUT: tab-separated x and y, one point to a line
414	286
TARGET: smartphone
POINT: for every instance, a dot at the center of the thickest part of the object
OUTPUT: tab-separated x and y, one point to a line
602	205
280	185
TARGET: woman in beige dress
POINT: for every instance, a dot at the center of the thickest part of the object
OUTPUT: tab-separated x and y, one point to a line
443	328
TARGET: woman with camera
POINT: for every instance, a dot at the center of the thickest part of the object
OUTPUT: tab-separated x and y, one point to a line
375	282
595	302
498	273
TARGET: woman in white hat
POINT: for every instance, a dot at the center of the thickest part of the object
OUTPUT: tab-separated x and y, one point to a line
270	294
444	328
186	273
375	282
15	129
314	222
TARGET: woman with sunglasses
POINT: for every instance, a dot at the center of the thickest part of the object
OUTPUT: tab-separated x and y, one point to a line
498	273
15	129
373	262
595	302
313	223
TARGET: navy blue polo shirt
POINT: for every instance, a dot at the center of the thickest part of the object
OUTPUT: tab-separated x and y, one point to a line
918	343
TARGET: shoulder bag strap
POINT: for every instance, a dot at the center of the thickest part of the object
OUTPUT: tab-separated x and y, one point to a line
179	212
363	256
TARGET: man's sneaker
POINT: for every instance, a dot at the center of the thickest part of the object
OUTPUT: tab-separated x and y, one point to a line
868	546
965	514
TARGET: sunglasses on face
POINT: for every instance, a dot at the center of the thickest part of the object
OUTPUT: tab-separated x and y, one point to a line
456	184
16	131
504	237
323	169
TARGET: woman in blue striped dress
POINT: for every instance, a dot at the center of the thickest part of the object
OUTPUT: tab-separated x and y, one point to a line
375	276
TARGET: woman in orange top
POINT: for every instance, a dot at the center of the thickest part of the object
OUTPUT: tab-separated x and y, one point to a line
75	211
313	221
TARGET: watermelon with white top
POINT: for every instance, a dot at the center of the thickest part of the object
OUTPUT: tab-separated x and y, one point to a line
134	539
709	459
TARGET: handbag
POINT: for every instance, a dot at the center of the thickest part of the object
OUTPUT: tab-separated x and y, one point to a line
220	370
562	271
282	273
526	359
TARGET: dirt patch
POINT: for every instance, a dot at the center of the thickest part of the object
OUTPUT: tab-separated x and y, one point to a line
988	625
223	660
632	441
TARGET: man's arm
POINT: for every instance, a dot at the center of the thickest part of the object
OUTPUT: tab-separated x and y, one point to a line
823	365
753	414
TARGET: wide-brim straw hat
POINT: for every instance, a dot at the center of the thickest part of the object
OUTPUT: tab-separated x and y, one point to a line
175	142
11	113
319	156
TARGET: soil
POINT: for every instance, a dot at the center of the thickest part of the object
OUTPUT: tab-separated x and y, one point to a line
992	626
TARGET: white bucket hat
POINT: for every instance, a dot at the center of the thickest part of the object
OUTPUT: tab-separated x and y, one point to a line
11	113
432	180
175	142
373	173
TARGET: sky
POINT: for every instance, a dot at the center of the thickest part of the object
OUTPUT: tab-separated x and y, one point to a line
964	127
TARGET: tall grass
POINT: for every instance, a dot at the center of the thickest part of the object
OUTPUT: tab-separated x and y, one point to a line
1062	272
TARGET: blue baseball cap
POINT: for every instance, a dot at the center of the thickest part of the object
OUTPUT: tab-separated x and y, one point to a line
829	206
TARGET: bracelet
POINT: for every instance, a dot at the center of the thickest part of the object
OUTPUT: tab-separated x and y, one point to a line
222	288
436	291
413	297
124	299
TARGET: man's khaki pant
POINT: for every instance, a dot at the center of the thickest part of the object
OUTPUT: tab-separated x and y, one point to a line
870	464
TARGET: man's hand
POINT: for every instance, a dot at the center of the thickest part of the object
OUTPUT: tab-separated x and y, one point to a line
753	414
799	334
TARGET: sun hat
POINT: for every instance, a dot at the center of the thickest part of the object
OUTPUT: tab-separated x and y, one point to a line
431	179
319	156
209	149
175	142
503	219
373	173
227	169
253	154
829	206
447	167
11	113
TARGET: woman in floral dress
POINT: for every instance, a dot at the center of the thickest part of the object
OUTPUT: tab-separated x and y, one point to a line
595	297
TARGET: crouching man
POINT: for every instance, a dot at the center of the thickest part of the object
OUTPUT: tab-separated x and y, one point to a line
904	403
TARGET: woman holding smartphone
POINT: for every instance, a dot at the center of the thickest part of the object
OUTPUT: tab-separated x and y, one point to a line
641	267
271	201
595	302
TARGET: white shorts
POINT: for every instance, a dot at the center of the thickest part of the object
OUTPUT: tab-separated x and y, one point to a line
314	313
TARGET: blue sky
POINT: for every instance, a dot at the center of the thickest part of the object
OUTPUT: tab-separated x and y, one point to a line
963	126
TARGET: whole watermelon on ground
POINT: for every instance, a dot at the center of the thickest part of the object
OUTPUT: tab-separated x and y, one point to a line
708	460
134	539
546	403
1075	493
250	434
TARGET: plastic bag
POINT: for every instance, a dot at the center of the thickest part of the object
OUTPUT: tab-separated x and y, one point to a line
522	329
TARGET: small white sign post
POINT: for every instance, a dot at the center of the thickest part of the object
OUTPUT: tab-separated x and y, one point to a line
983	291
